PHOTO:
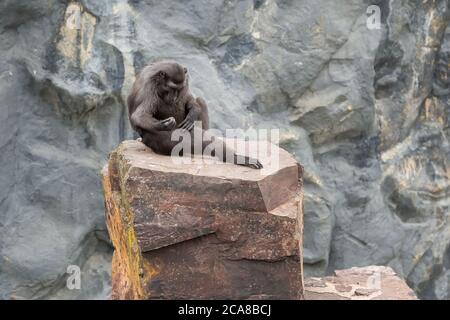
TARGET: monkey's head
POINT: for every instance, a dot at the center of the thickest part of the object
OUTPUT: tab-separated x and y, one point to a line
172	80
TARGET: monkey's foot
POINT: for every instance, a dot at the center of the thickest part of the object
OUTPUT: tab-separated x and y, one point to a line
247	162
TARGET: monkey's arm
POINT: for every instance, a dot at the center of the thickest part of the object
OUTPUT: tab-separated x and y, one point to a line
194	113
146	121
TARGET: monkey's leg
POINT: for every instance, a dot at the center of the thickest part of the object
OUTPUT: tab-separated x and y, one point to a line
224	153
161	143
227	154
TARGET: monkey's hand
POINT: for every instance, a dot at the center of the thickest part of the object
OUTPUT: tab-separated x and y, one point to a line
188	122
168	124
193	115
247	162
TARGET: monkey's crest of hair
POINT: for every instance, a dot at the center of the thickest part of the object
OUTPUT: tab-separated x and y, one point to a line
153	69
152	76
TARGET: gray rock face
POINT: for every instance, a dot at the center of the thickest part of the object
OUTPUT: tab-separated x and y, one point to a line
366	112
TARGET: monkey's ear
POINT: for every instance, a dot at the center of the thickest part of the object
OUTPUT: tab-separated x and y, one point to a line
162	74
185	70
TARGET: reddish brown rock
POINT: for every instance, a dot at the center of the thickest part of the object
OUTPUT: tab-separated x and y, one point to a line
365	283
208	231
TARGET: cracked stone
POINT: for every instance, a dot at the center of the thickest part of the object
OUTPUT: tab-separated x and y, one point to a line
203	230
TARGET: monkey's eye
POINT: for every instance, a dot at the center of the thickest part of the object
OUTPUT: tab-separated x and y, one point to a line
162	74
185	70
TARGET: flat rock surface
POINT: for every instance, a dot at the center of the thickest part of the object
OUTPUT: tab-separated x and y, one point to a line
273	158
359	283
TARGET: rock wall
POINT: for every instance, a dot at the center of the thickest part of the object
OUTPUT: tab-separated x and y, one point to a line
365	111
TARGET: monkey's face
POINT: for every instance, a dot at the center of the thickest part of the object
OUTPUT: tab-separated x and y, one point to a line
173	82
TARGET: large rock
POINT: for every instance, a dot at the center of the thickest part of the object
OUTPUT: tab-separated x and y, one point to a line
197	230
363	283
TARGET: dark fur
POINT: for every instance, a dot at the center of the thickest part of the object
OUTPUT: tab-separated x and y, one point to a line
160	101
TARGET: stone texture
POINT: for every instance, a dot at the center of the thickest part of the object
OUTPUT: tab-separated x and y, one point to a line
363	283
365	111
208	231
